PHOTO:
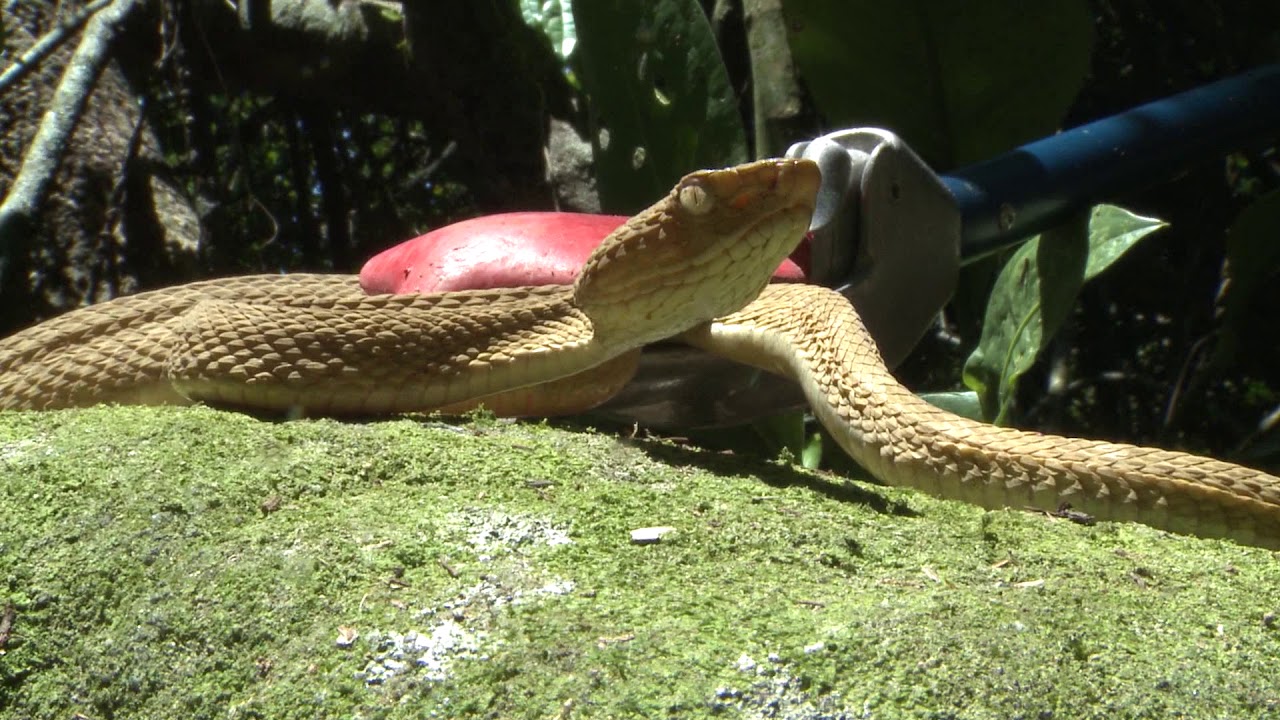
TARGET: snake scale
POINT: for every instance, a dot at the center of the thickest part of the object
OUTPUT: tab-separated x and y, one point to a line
695	266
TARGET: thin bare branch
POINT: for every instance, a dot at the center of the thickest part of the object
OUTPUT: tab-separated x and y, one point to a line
47	44
21	206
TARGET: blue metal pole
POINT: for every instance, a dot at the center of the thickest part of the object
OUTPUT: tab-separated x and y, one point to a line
1032	188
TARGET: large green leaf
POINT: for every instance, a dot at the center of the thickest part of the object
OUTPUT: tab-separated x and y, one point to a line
959	81
1035	292
660	99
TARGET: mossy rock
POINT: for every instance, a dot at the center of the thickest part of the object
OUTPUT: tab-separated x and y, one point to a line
191	563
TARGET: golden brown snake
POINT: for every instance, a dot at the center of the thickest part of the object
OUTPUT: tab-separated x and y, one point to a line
694	266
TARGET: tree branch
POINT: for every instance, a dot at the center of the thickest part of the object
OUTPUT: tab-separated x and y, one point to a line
21	207
47	44
779	111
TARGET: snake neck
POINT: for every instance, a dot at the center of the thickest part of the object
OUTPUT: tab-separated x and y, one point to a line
814	336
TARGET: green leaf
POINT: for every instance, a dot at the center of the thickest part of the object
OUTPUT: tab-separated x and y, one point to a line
391	14
1112	231
1034	294
962	403
785	432
660	100
959	81
1253	264
555	19
811	457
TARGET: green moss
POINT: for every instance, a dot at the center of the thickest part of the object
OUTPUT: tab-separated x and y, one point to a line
187	562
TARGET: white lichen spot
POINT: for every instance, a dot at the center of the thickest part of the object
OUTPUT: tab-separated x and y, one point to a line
489	531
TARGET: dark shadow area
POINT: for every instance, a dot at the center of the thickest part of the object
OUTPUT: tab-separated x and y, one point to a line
772	473
736	461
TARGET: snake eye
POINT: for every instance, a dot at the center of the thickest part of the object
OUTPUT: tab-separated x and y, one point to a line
695	199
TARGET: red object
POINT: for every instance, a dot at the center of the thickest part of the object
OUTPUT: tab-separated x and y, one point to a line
507	250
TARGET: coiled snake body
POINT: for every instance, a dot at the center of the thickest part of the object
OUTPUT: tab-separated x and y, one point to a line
694	265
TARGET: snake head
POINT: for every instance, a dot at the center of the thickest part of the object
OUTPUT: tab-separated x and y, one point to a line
704	250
